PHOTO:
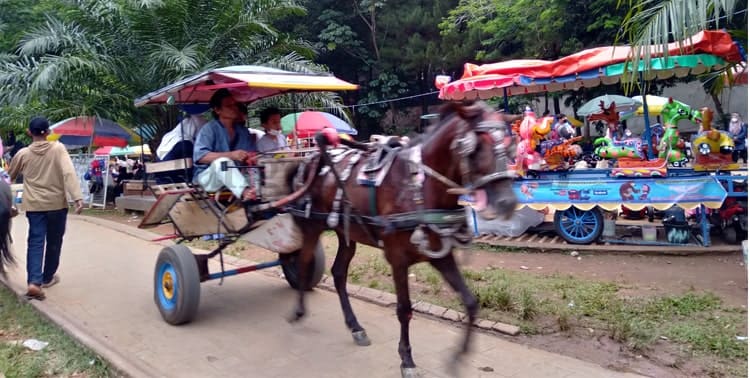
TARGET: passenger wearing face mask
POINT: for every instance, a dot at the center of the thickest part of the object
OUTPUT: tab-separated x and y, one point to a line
738	130
270	120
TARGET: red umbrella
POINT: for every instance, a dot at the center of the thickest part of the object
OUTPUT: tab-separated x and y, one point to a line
309	122
85	131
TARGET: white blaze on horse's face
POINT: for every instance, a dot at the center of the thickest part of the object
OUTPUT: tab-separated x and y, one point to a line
489	175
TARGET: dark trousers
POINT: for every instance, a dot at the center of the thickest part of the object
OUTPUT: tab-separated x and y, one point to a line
181	150
49	227
737	154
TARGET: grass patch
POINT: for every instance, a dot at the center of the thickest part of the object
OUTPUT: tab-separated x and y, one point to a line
498	248
695	322
62	357
234	249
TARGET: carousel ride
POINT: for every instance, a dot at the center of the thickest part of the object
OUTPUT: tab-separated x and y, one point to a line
643	175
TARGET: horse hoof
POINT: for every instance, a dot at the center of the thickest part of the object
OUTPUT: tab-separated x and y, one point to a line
360	338
409	372
295	317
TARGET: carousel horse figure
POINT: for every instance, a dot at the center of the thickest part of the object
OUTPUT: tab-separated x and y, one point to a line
413	213
670	145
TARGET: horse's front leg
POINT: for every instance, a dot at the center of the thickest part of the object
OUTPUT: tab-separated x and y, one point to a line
340	271
404	313
448	268
304	261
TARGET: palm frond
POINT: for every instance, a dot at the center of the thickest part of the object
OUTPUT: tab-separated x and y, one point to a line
53	37
660	22
165	56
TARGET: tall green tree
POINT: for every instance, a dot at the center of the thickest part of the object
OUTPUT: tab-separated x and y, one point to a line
96	56
533	29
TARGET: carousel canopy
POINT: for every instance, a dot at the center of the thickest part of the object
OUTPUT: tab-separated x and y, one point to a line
704	52
247	83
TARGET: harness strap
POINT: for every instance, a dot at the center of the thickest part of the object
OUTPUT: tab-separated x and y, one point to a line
400	221
373	201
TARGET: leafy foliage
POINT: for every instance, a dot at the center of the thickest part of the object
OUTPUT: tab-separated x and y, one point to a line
95	56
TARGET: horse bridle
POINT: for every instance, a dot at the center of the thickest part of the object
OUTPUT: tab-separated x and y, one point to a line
465	146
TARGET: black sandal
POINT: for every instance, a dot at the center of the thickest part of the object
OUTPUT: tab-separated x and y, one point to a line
40	296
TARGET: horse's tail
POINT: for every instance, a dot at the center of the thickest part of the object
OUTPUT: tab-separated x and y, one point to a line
6	203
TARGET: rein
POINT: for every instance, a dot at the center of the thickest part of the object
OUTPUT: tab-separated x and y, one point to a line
449	225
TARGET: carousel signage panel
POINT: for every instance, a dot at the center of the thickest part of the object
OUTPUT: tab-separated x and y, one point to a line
610	193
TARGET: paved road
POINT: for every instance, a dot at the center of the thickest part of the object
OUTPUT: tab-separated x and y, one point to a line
105	299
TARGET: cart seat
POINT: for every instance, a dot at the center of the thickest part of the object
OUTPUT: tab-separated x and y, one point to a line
171	171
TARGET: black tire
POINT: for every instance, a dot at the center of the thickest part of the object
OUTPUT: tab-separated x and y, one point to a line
177	289
579	226
289	267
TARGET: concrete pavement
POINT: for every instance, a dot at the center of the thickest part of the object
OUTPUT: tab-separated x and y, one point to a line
105	300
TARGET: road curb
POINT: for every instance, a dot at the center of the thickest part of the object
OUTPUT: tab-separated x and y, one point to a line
378	297
117	361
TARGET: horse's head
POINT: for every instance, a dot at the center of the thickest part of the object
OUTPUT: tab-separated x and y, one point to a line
481	147
673	111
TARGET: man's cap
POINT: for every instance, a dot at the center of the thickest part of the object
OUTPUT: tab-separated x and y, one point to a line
38	125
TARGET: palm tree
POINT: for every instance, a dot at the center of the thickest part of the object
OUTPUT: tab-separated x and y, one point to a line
660	22
96	56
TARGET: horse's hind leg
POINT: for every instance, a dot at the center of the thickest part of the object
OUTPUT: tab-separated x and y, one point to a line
404	313
340	271
448	268
310	237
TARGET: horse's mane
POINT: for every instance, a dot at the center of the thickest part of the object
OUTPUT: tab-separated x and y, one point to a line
465	110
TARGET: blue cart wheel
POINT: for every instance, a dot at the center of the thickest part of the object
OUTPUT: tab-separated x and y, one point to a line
177	290
289	266
579	226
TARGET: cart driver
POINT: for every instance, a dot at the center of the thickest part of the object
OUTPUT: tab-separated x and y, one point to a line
223	140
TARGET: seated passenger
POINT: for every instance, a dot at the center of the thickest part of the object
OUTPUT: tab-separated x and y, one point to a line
563	128
270	119
178	143
223	140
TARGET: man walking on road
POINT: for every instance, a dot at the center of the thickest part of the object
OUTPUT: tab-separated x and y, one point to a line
48	174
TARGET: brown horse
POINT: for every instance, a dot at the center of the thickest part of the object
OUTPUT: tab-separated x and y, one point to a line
413	214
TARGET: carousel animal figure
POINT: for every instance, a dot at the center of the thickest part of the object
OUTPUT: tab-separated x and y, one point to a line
670	146
712	148
531	132
609	148
559	153
413	213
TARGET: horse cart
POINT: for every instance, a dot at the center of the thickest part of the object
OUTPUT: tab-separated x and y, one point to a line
198	214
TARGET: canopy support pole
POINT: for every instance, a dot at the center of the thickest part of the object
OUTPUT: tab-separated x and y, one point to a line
295	141
647	124
505	100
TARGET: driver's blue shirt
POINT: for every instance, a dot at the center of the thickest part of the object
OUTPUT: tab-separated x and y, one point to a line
214	138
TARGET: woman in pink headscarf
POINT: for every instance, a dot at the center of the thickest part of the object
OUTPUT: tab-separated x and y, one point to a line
738	130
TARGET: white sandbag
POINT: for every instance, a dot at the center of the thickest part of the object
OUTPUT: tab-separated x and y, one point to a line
518	223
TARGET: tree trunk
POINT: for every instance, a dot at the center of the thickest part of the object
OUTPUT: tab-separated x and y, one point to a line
556	104
720	110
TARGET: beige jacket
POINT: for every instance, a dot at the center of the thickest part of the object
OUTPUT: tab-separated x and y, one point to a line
48	174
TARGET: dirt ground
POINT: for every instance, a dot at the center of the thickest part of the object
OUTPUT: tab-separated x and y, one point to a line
642	276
